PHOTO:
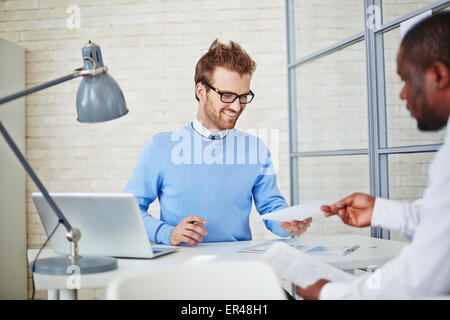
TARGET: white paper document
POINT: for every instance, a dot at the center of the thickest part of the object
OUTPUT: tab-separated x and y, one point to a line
299	212
264	246
300	268
310	249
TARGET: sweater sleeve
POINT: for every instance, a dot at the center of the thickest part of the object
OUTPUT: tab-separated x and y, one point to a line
145	183
266	195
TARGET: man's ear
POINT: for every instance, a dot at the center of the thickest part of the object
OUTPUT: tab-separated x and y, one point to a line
441	75
200	91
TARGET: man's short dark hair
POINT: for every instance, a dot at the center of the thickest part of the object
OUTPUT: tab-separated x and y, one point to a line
428	42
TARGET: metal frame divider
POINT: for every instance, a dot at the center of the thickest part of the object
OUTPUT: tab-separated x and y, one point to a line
292	95
378	149
376	113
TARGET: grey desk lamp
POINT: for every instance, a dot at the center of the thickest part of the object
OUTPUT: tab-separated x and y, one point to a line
99	99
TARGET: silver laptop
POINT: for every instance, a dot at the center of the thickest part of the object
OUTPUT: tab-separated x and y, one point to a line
110	224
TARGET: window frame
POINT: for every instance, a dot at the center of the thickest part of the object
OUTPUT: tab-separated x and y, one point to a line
378	149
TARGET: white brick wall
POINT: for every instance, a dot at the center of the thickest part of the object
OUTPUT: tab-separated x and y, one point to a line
151	48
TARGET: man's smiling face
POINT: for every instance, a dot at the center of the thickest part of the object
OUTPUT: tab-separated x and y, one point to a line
215	114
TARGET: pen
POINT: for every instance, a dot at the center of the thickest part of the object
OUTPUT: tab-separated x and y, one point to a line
351	249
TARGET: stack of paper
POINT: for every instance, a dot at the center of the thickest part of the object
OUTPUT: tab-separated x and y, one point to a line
301	269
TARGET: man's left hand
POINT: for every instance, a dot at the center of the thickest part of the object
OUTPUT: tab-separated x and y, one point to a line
296	227
311	292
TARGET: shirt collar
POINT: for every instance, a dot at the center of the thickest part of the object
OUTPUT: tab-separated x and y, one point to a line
447	134
207	133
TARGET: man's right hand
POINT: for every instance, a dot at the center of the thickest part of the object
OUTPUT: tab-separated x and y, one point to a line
188	231
354	210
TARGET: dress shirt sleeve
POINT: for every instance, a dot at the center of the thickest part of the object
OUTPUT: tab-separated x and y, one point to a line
145	183
398	216
266	195
422	269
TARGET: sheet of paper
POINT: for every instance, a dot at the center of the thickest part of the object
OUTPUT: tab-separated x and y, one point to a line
299	212
310	249
332	250
300	268
263	247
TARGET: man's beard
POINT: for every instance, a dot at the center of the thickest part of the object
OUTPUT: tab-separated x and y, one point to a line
428	119
217	118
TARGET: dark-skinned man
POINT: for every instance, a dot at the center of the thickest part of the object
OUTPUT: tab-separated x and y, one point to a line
422	269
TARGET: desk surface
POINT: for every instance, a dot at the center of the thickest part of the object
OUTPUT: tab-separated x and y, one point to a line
372	251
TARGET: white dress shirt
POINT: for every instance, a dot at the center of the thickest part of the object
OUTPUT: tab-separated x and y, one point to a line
422	269
207	133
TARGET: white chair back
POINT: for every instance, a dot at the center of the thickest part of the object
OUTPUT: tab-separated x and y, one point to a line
232	280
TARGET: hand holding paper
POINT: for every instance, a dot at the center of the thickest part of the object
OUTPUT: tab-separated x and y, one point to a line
295	227
299	212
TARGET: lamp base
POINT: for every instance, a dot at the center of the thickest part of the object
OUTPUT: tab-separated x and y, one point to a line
62	265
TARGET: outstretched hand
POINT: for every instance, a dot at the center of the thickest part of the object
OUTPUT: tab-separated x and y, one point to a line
355	210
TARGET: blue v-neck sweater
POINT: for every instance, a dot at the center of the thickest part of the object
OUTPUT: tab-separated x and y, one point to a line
213	179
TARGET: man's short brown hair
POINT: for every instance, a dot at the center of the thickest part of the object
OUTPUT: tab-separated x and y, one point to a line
231	57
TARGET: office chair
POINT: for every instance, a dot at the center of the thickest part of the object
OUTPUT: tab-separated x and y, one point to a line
232	280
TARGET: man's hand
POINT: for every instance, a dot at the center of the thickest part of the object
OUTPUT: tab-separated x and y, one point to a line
354	210
296	227
188	231
311	292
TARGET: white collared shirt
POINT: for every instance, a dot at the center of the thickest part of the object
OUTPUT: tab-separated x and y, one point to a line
207	133
422	269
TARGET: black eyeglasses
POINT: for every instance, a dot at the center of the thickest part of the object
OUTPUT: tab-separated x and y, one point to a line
229	97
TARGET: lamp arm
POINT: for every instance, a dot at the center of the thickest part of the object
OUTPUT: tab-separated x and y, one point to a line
34	177
75	74
25	92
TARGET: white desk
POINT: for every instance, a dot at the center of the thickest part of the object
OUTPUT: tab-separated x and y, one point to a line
372	251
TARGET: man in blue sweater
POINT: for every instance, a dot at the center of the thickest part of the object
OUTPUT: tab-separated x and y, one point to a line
206	174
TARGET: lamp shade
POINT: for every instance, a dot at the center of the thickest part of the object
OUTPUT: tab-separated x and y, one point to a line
99	97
